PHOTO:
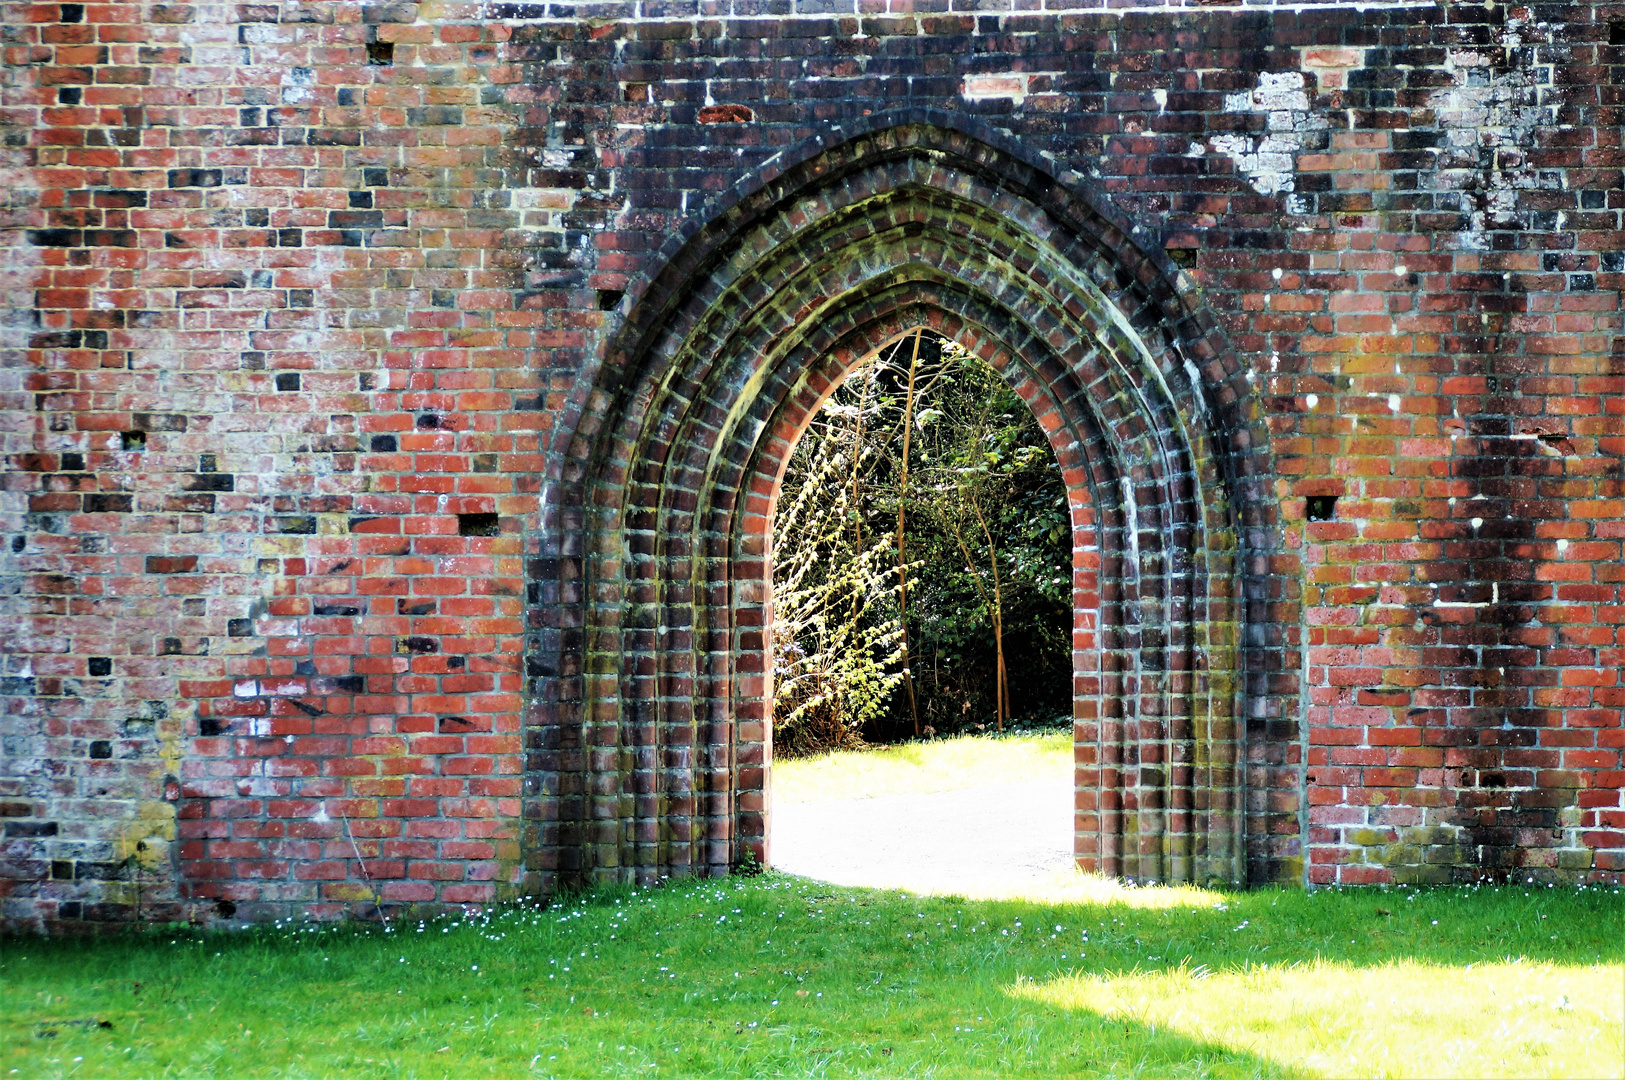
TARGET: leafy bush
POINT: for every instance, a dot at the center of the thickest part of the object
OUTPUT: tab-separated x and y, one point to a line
837	639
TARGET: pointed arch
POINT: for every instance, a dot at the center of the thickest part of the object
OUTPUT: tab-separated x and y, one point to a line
649	754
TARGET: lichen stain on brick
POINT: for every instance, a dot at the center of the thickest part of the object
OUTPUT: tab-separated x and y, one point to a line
281	345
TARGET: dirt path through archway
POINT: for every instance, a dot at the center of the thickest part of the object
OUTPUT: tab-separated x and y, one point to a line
976	841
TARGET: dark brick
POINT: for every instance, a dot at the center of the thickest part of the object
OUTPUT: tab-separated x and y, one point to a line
190	178
104	503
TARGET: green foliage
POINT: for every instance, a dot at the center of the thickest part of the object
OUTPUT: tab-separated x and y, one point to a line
992	497
837	640
775	976
975	446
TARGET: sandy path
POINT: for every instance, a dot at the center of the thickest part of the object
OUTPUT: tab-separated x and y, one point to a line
976	841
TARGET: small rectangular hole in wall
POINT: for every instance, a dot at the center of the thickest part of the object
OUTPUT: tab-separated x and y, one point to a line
1616	33
1320	507
478	525
380	53
609	299
132	440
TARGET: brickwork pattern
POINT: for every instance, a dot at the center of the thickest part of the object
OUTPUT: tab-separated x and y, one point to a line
335	388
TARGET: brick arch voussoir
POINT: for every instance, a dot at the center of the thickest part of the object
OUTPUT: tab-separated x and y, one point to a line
768	284
788	319
701	449
807	172
1051	340
811	373
1026	268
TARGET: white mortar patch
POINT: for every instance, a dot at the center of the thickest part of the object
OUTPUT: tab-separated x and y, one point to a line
1490	112
1269	161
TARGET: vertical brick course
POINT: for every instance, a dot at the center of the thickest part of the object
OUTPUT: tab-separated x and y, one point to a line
394	395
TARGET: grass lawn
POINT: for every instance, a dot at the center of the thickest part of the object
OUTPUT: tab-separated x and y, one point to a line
918	768
778	976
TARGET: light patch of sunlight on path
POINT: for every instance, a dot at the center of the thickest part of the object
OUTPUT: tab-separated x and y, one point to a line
979	817
923	767
1074	887
1403	1019
971	842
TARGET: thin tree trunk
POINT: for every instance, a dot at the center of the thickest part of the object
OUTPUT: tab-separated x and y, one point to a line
998	614
995	603
857	473
902	507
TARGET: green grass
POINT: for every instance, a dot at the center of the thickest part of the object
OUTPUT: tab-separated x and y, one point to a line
777	976
917	768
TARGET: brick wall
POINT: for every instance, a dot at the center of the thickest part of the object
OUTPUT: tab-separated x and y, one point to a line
333	333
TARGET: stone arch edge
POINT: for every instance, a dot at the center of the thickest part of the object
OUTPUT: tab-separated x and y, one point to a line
1240	441
1227	410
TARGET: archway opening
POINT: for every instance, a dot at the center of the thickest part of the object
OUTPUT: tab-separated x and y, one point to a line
651	731
923	557
928	568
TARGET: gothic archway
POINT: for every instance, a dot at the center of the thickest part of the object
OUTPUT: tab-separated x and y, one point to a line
650	757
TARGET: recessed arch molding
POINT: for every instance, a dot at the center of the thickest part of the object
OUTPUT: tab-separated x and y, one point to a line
648	741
